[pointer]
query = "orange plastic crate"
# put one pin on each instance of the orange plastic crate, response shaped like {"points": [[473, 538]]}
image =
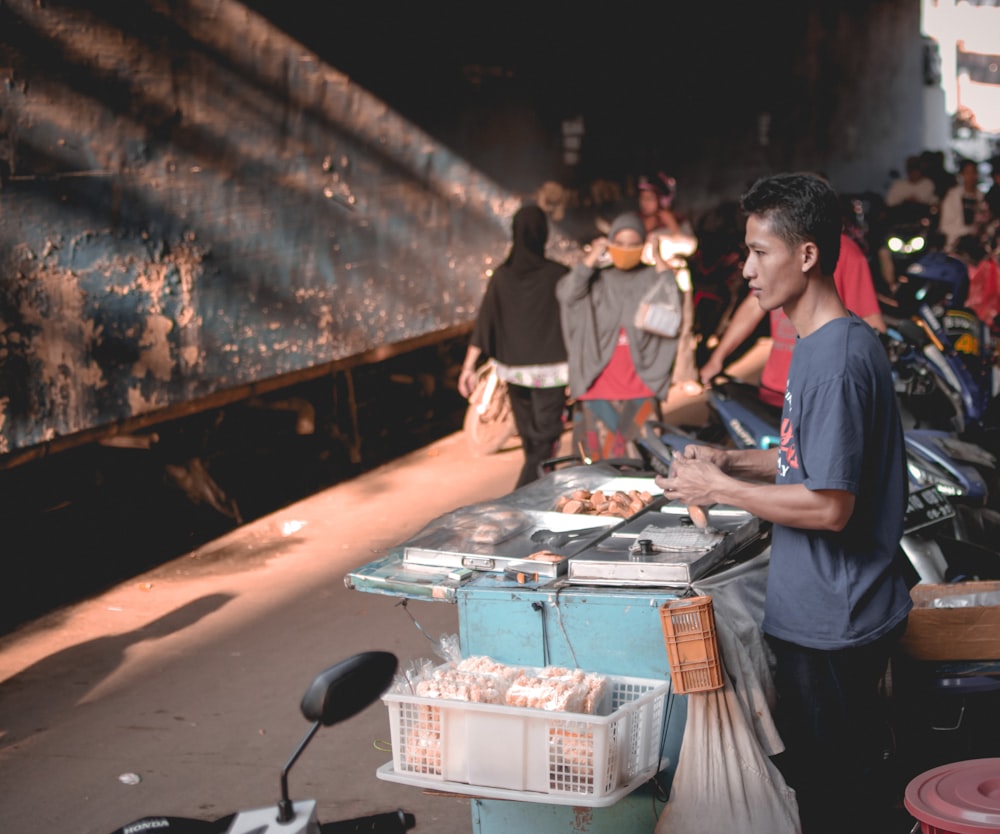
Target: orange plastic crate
{"points": [[692, 648]]}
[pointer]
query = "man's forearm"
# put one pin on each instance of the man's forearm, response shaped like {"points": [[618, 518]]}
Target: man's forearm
{"points": [[751, 464], [743, 323], [792, 505]]}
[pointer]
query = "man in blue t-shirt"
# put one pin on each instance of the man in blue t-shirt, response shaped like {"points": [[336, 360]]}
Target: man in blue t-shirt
{"points": [[835, 490]]}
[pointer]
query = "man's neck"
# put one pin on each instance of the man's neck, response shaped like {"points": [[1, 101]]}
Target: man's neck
{"points": [[818, 305]]}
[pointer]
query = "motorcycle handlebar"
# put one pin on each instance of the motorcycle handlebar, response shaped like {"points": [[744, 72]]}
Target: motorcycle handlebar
{"points": [[393, 822]]}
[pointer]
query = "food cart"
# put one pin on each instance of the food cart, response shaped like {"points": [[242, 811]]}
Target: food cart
{"points": [[594, 601]]}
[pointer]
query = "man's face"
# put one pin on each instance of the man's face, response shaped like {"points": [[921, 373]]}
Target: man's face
{"points": [[774, 271]]}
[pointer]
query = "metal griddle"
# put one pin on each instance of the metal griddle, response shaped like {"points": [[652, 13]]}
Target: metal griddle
{"points": [[529, 532], [500, 536], [616, 559]]}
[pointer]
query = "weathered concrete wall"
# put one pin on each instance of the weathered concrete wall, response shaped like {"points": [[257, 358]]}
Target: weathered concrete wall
{"points": [[191, 203]]}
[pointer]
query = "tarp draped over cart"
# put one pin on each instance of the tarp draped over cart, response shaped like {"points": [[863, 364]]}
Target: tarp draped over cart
{"points": [[724, 779]]}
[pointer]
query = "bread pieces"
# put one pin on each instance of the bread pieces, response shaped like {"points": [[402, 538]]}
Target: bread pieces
{"points": [[482, 680], [620, 504]]}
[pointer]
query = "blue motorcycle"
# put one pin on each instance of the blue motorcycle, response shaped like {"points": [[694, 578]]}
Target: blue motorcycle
{"points": [[943, 356]]}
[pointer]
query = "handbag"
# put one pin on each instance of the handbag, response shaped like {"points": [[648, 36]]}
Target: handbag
{"points": [[659, 311]]}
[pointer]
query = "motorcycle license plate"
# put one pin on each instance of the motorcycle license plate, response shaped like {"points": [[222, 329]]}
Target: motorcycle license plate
{"points": [[925, 507]]}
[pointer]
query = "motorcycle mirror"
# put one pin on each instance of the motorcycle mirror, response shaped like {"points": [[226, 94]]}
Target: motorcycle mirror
{"points": [[912, 332], [336, 694], [348, 687]]}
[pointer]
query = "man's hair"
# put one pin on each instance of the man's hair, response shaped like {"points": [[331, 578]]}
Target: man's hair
{"points": [[800, 208]]}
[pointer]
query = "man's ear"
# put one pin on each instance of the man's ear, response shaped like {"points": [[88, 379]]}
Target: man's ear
{"points": [[809, 253]]}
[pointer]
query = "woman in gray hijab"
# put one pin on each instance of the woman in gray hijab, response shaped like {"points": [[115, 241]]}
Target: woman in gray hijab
{"points": [[619, 371]]}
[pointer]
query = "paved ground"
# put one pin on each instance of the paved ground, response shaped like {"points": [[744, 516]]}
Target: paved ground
{"points": [[189, 676]]}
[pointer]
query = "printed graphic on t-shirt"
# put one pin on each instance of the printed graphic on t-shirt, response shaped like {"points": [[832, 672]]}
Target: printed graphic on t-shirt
{"points": [[788, 456]]}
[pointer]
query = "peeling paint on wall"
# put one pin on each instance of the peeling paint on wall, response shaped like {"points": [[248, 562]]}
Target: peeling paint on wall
{"points": [[192, 203]]}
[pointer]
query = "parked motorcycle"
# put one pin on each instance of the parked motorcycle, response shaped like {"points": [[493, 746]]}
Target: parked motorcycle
{"points": [[335, 695], [906, 232], [943, 356]]}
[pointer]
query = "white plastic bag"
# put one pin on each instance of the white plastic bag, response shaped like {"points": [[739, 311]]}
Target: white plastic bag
{"points": [[659, 311]]}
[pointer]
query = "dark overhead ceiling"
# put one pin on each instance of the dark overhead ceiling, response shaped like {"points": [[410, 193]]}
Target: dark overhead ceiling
{"points": [[566, 55]]}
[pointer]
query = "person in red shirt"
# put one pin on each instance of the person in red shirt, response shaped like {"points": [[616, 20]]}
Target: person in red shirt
{"points": [[619, 369], [984, 278], [853, 278]]}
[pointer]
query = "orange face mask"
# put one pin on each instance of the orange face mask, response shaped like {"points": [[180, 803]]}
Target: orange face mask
{"points": [[625, 257]]}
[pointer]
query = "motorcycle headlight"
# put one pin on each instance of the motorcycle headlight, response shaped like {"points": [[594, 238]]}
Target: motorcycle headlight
{"points": [[924, 472], [917, 244], [895, 244]]}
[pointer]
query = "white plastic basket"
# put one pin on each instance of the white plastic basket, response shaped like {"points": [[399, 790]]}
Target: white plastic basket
{"points": [[533, 755]]}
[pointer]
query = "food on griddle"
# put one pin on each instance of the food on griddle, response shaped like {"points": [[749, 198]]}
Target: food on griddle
{"points": [[545, 556], [620, 504], [699, 515]]}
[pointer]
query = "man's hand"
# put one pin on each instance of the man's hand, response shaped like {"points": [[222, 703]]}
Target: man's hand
{"points": [[695, 476], [709, 454], [711, 369], [467, 382]]}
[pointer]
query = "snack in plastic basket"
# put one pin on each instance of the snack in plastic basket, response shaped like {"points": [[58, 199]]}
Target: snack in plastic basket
{"points": [[489, 666], [565, 694], [533, 755], [574, 752], [464, 686], [479, 680], [482, 680], [422, 750]]}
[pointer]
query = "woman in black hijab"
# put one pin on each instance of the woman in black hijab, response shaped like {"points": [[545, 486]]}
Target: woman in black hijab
{"points": [[518, 326]]}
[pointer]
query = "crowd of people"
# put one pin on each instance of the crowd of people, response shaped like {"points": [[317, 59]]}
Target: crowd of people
{"points": [[577, 344], [657, 299], [959, 214], [568, 340]]}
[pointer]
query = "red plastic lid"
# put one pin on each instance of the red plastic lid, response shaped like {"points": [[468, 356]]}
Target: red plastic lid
{"points": [[961, 798]]}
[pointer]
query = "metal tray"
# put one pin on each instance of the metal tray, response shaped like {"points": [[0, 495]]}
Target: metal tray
{"points": [[612, 560], [528, 532]]}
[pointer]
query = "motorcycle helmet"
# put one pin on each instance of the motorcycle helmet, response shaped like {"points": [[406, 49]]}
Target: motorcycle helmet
{"points": [[936, 275]]}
